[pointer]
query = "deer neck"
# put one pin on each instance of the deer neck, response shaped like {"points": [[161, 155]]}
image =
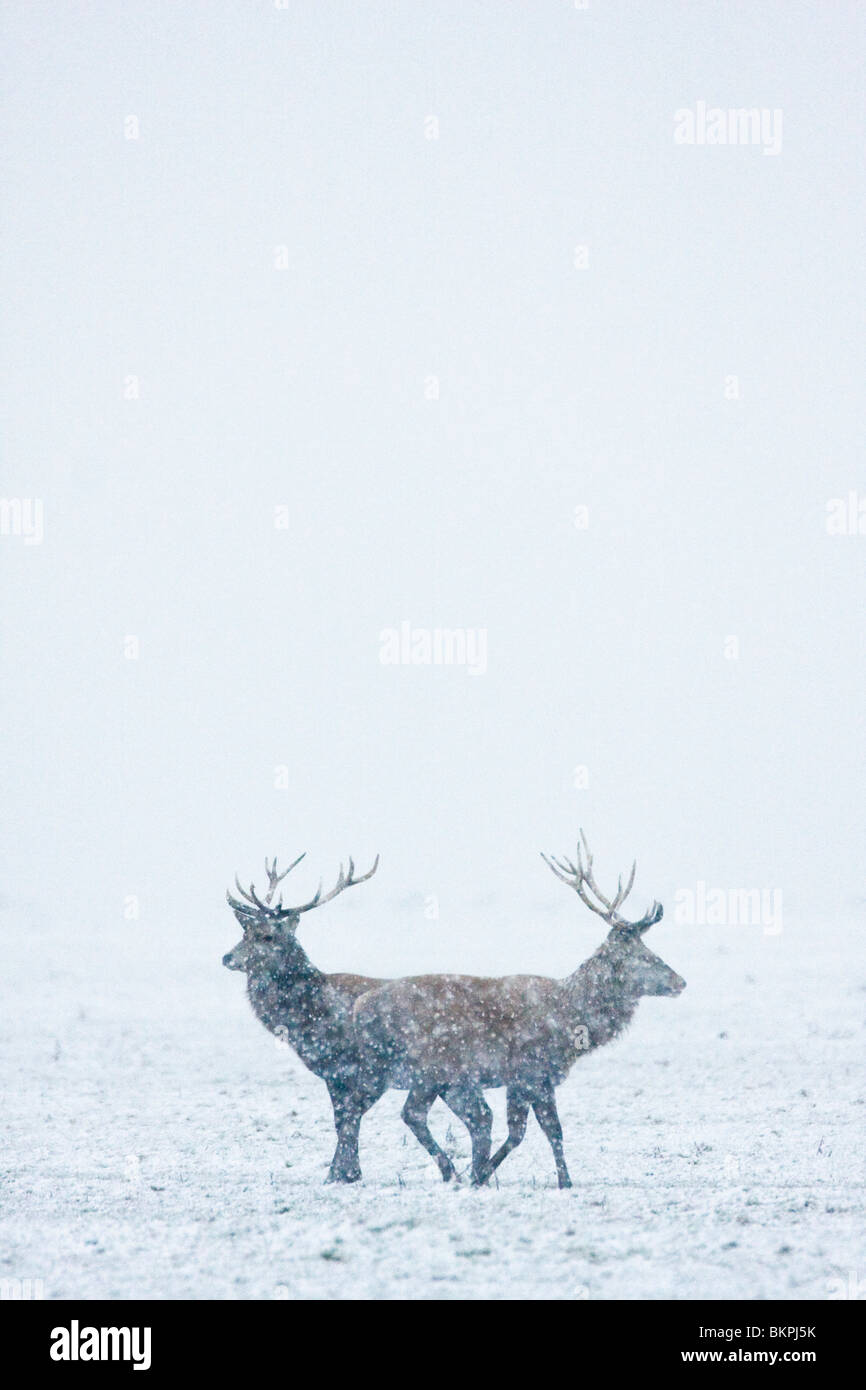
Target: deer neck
{"points": [[600, 998], [274, 988]]}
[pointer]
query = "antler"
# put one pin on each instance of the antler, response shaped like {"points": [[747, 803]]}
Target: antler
{"points": [[580, 877], [343, 881], [253, 906]]}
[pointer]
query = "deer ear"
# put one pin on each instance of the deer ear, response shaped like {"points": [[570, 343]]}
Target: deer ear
{"points": [[655, 914], [244, 915]]}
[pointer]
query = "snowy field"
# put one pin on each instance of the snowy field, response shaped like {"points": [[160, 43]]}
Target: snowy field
{"points": [[159, 1144]]}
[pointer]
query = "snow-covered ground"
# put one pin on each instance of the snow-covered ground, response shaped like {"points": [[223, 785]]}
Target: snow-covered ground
{"points": [[158, 1143]]}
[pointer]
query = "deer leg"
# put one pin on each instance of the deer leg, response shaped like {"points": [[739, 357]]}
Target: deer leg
{"points": [[518, 1112], [415, 1112], [345, 1165], [350, 1106], [547, 1116], [471, 1107]]}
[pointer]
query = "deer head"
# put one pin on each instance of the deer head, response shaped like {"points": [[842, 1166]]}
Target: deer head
{"points": [[269, 928], [636, 968]]}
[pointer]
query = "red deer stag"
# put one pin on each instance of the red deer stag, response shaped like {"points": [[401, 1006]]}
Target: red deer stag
{"points": [[313, 1012], [524, 1032]]}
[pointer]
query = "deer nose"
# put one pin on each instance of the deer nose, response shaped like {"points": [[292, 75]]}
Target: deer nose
{"points": [[228, 959]]}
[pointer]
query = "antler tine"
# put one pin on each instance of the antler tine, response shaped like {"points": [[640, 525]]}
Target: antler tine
{"points": [[352, 880], [244, 894], [584, 875], [574, 877], [256, 900], [589, 878], [622, 893], [274, 878], [369, 873], [557, 869], [271, 869], [338, 887], [630, 883], [586, 848], [238, 906], [250, 896], [343, 881], [568, 866]]}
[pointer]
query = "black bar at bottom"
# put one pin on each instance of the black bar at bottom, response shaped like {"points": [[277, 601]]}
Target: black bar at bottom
{"points": [[282, 1340]]}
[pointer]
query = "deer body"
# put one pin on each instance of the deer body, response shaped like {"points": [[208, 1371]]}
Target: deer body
{"points": [[523, 1032], [509, 1029]]}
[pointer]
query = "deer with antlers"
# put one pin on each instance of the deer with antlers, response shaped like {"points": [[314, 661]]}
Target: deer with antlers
{"points": [[524, 1032], [312, 1011]]}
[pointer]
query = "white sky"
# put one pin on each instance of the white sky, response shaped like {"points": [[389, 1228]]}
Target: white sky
{"points": [[410, 257]]}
